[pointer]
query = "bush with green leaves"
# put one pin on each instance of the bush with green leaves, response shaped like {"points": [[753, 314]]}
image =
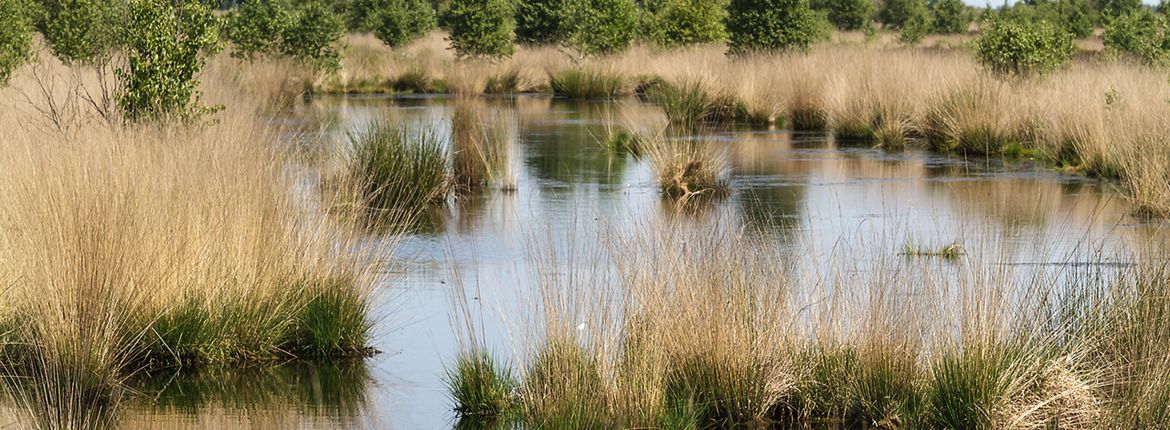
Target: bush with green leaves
{"points": [[1141, 34], [309, 33], [949, 16], [896, 13], [1116, 8], [847, 14], [543, 21], [1074, 16], [399, 22], [602, 27], [916, 28], [313, 36], [256, 27], [82, 31], [686, 22], [773, 25], [167, 44], [481, 28], [1017, 47], [15, 37]]}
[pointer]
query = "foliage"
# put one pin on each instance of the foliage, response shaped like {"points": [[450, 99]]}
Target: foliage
{"points": [[166, 46], [481, 28], [603, 26], [398, 22], [949, 16], [1116, 8], [82, 31], [313, 36], [916, 27], [1141, 34], [686, 22], [897, 13], [543, 21], [1014, 47], [309, 33], [15, 37], [1074, 16], [847, 14], [772, 25]]}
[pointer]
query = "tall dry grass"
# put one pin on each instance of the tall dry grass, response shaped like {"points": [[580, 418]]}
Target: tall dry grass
{"points": [[677, 326], [125, 248]]}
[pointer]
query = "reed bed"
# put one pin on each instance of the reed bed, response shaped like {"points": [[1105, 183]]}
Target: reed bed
{"points": [[676, 326], [1098, 117], [130, 248]]}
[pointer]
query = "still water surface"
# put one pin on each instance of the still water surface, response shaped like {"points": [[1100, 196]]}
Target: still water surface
{"points": [[811, 196]]}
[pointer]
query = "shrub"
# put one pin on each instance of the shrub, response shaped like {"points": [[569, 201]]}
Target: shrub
{"points": [[1116, 8], [1075, 16], [1141, 34], [686, 22], [1014, 47], [896, 13], [166, 46], [401, 21], [310, 33], [603, 26], [949, 16], [771, 25], [15, 37], [481, 28], [82, 31], [847, 14], [256, 26], [915, 28], [542, 21]]}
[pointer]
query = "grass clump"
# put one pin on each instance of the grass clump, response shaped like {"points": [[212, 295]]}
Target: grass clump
{"points": [[563, 388], [971, 119], [482, 151], [690, 105], [685, 168], [399, 169], [588, 84], [481, 387], [950, 251]]}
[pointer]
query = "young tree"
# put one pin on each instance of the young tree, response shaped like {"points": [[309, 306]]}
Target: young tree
{"points": [[313, 36], [602, 26], [399, 22], [896, 13], [543, 21], [1018, 47], [847, 14], [949, 16], [771, 25], [685, 22], [1116, 8], [257, 26], [82, 31], [481, 28], [15, 37], [1142, 34], [166, 46]]}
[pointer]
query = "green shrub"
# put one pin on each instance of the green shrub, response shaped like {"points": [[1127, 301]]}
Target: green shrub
{"points": [[1014, 47], [15, 37], [773, 25], [481, 28], [896, 13], [313, 36], [1115, 8], [256, 26], [603, 26], [543, 21], [1075, 16], [309, 33], [359, 14], [847, 14], [167, 45], [399, 22], [82, 31], [915, 28], [1141, 34], [949, 16], [686, 22]]}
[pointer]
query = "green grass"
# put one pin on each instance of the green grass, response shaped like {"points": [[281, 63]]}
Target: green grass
{"points": [[398, 169], [690, 105], [587, 84], [563, 388], [481, 387], [950, 251]]}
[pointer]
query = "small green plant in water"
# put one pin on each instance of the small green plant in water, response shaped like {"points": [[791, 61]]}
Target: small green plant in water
{"points": [[399, 169], [480, 386], [948, 252]]}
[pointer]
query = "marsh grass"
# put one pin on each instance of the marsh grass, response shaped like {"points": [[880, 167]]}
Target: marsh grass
{"points": [[483, 149], [399, 169], [950, 251], [685, 167], [588, 84], [480, 386], [690, 105]]}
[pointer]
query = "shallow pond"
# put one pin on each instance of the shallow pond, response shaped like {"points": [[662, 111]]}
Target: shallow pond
{"points": [[821, 201]]}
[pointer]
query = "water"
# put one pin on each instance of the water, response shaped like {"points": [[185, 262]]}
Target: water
{"points": [[823, 202]]}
